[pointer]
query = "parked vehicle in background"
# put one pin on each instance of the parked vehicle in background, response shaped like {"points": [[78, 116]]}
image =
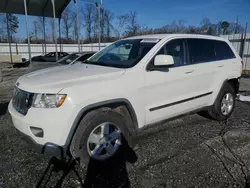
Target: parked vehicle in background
{"points": [[87, 109], [50, 57], [71, 58]]}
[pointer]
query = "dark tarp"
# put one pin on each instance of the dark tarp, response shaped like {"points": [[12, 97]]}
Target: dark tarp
{"points": [[35, 7]]}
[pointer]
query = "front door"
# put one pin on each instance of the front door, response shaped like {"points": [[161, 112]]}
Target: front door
{"points": [[172, 91]]}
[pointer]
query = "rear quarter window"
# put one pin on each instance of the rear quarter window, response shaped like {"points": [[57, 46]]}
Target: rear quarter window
{"points": [[223, 51]]}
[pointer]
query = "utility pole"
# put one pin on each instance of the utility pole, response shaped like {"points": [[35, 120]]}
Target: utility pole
{"points": [[99, 24]]}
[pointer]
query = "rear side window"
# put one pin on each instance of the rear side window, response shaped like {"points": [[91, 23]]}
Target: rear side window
{"points": [[205, 50], [201, 50], [223, 51]]}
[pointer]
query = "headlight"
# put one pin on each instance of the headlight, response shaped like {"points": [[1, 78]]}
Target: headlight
{"points": [[48, 100]]}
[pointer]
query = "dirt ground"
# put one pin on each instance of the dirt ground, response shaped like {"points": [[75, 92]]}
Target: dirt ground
{"points": [[188, 152]]}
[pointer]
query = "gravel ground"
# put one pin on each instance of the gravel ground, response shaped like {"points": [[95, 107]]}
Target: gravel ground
{"points": [[245, 84], [188, 152]]}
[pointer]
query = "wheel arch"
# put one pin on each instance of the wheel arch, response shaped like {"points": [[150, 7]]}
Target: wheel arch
{"points": [[113, 104], [233, 81]]}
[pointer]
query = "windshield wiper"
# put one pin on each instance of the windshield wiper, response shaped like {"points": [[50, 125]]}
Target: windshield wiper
{"points": [[87, 62], [96, 63], [104, 64], [93, 63]]}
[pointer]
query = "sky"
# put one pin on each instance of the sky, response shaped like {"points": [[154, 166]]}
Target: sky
{"points": [[156, 13]]}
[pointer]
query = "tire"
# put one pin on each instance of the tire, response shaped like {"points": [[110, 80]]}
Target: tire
{"points": [[79, 147], [215, 112]]}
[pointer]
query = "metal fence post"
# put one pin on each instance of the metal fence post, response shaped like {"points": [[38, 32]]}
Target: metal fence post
{"points": [[60, 37], [54, 27], [244, 42], [44, 35], [1, 77], [77, 25], [26, 20], [17, 49]]}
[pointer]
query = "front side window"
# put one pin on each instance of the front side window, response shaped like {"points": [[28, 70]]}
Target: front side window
{"points": [[175, 48], [123, 53]]}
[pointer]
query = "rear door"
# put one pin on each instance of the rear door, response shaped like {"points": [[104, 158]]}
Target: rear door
{"points": [[226, 60], [202, 55]]}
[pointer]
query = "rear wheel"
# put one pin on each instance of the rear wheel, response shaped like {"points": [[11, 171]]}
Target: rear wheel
{"points": [[98, 136], [223, 106]]}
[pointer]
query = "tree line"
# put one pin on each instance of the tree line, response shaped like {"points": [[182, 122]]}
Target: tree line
{"points": [[112, 27]]}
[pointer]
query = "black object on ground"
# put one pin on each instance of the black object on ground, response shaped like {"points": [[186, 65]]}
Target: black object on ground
{"points": [[105, 174], [3, 108]]}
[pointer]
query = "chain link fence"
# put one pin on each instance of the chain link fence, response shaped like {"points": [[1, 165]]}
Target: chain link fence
{"points": [[241, 43]]}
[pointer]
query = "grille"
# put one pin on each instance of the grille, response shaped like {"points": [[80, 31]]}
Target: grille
{"points": [[22, 100]]}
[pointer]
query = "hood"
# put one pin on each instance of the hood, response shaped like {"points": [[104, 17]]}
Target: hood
{"points": [[57, 78], [39, 66]]}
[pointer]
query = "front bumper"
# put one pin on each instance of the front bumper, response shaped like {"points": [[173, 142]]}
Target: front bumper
{"points": [[49, 149], [54, 123]]}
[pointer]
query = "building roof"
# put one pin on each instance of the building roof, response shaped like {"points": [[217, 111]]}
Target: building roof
{"points": [[34, 7]]}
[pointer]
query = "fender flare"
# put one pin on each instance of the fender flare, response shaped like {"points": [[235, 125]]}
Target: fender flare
{"points": [[224, 83], [132, 128]]}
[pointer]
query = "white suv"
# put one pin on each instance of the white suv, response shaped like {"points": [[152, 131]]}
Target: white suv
{"points": [[88, 110]]}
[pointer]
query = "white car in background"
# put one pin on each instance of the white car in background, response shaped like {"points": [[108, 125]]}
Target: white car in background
{"points": [[85, 110]]}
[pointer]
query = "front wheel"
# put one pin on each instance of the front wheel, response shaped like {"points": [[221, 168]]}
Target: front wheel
{"points": [[98, 136]]}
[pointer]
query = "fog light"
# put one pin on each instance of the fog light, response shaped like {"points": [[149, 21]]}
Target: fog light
{"points": [[38, 132]]}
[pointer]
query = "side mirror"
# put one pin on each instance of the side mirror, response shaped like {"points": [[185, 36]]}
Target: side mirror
{"points": [[163, 60]]}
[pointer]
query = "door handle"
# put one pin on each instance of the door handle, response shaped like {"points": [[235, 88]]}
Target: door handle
{"points": [[189, 71], [219, 66]]}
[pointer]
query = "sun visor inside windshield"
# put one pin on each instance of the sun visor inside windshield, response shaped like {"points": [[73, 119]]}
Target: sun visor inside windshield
{"points": [[150, 40]]}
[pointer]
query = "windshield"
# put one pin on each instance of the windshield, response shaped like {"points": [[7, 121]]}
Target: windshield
{"points": [[49, 54], [68, 59], [123, 53]]}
